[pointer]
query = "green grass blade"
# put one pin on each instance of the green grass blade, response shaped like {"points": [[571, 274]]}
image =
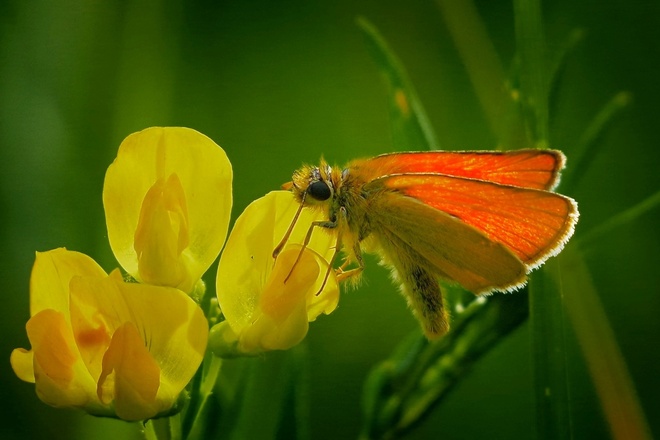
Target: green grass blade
{"points": [[587, 146], [530, 43], [262, 398], [158, 429], [553, 416], [547, 321], [200, 418], [621, 219], [411, 129], [604, 359], [485, 69], [301, 376], [558, 67]]}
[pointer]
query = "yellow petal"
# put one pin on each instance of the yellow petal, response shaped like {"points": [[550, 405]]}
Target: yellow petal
{"points": [[51, 274], [130, 377], [60, 375], [246, 272], [326, 302], [168, 321], [162, 234], [94, 318], [22, 363], [279, 298], [266, 334], [204, 173], [54, 362], [49, 330], [281, 320]]}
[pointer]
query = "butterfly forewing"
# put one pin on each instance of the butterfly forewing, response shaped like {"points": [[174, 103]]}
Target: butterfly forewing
{"points": [[525, 168]]}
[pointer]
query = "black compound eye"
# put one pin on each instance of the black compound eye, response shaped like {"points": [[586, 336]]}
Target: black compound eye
{"points": [[319, 190]]}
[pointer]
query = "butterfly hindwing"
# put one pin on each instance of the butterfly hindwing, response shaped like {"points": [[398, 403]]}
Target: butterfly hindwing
{"points": [[533, 224], [444, 245]]}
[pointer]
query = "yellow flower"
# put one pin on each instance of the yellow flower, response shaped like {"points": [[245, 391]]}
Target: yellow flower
{"points": [[262, 311], [109, 347], [167, 199]]}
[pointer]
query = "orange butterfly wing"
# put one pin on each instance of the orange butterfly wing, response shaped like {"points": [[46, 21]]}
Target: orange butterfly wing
{"points": [[532, 223], [410, 231], [525, 168]]}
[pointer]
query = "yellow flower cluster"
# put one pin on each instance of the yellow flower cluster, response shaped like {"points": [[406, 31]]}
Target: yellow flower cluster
{"points": [[128, 349]]}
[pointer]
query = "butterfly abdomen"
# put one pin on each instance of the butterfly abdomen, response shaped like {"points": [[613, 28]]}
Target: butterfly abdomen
{"points": [[418, 281]]}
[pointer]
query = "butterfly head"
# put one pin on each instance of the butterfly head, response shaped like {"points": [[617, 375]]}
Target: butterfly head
{"points": [[313, 185]]}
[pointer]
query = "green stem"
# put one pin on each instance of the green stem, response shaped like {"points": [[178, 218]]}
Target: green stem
{"points": [[530, 42], [553, 416], [159, 429], [403, 389], [548, 354], [198, 422]]}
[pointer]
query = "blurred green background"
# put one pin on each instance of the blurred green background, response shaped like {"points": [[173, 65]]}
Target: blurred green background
{"points": [[281, 83]]}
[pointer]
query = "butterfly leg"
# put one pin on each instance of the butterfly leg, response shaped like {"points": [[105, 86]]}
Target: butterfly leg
{"points": [[343, 274], [308, 237], [331, 262]]}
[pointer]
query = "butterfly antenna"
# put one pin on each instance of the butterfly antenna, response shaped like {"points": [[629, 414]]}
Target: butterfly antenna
{"points": [[302, 249], [280, 246]]}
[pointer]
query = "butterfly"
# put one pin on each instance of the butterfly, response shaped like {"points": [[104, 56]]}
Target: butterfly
{"points": [[479, 219]]}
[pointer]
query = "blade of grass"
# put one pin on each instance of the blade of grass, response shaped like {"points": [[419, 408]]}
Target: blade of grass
{"points": [[263, 397], [485, 69], [301, 391], [149, 431], [605, 361], [199, 417], [530, 44], [588, 144], [553, 416], [159, 429], [606, 364], [411, 129], [558, 67], [620, 219]]}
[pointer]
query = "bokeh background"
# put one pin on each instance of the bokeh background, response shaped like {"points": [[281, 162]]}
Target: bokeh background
{"points": [[281, 83]]}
